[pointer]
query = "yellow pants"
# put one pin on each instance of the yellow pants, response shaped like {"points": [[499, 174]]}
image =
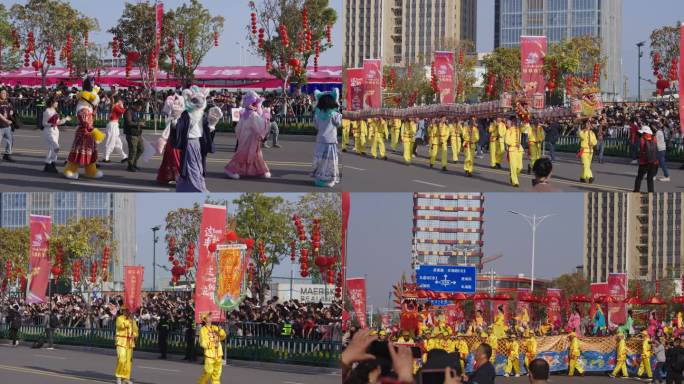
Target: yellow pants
{"points": [[394, 139], [493, 358], [469, 157], [586, 165], [90, 169], [515, 163], [535, 153], [512, 364], [124, 358], [212, 369], [440, 149], [345, 139], [645, 366], [379, 144], [359, 144], [455, 148], [408, 153], [620, 366], [494, 153], [528, 359], [572, 367]]}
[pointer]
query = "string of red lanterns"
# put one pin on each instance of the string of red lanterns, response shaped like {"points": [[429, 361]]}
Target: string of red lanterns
{"points": [[105, 263]]}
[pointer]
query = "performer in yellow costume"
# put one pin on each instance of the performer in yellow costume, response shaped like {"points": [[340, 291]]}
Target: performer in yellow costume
{"points": [[499, 326], [360, 130], [346, 127], [587, 143], [455, 128], [479, 321], [462, 348], [513, 361], [126, 333], [574, 353], [438, 137], [211, 337], [497, 149], [493, 342], [515, 152], [535, 139], [377, 133], [470, 135], [395, 132], [405, 339], [621, 356], [408, 133], [645, 356], [530, 348]]}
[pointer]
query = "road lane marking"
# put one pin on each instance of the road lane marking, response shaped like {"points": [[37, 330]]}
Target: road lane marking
{"points": [[428, 183], [120, 186], [160, 369], [292, 382], [51, 357], [51, 374], [354, 168]]}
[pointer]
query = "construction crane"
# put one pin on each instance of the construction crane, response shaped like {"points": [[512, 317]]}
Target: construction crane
{"points": [[488, 259]]}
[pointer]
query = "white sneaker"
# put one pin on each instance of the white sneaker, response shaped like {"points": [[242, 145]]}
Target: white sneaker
{"points": [[633, 161], [49, 348], [233, 176], [517, 375], [118, 380], [505, 374], [267, 175], [664, 179]]}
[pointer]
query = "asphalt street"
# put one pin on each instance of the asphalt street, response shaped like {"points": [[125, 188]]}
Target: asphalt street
{"points": [[60, 366], [291, 166]]}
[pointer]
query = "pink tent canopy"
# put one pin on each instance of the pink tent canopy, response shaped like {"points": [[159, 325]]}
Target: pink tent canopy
{"points": [[220, 77]]}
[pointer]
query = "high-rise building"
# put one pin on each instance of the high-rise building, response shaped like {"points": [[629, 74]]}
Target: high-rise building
{"points": [[447, 228], [563, 19], [404, 31], [640, 234], [16, 207]]}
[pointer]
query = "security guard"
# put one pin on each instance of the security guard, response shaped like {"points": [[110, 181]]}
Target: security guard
{"points": [[211, 337], [287, 330], [126, 333]]}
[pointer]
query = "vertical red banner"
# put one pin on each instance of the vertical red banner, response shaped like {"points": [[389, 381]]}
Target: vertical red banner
{"points": [[680, 77], [617, 287], [133, 279], [444, 66], [40, 229], [357, 294], [346, 206], [553, 306], [523, 305], [372, 83], [355, 77], [212, 230], [532, 53], [597, 290]]}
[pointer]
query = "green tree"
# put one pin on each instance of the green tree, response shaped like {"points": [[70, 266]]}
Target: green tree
{"points": [[50, 21], [9, 56], [411, 87], [572, 284], [264, 219], [14, 243], [197, 26], [328, 208], [271, 14], [504, 64], [665, 42], [574, 57]]}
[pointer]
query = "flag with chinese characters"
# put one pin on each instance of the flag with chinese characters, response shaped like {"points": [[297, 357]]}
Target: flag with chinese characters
{"points": [[680, 77], [553, 304], [532, 54], [231, 275], [372, 83], [444, 68], [617, 288], [133, 279], [40, 229], [355, 89], [211, 231], [356, 287]]}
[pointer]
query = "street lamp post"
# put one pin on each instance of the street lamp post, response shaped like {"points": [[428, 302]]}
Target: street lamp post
{"points": [[533, 222], [154, 256], [641, 54]]}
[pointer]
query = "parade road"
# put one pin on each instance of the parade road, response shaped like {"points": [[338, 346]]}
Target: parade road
{"points": [[60, 366], [291, 165]]}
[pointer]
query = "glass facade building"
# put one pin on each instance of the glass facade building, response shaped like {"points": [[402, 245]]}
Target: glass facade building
{"points": [[447, 228], [16, 207], [562, 19]]}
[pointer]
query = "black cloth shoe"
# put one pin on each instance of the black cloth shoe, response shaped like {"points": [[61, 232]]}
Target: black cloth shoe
{"points": [[8, 158], [131, 169]]}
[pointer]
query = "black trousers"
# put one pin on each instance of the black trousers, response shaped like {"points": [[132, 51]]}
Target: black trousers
{"points": [[135, 149], [648, 170], [162, 345], [673, 378], [13, 332], [50, 333], [190, 349]]}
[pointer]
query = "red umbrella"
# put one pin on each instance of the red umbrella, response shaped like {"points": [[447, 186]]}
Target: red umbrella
{"points": [[528, 298], [654, 300], [481, 296], [502, 297], [458, 296], [579, 299], [633, 300], [678, 299], [607, 299]]}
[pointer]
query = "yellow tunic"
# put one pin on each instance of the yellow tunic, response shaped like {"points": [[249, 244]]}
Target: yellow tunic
{"points": [[210, 340], [408, 133], [126, 333], [455, 139], [515, 153], [470, 136], [587, 143]]}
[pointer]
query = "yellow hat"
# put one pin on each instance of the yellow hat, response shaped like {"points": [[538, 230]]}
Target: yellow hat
{"points": [[383, 333]]}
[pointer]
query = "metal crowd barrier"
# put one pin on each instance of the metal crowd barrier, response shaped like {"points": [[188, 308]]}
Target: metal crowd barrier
{"points": [[256, 348], [616, 147]]}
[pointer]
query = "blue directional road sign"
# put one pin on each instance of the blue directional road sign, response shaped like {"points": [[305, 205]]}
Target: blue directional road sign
{"points": [[446, 278]]}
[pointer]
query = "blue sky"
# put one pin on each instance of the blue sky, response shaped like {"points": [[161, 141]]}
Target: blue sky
{"points": [[380, 236], [152, 209]]}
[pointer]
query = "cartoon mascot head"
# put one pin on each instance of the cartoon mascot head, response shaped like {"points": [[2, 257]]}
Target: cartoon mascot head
{"points": [[88, 97]]}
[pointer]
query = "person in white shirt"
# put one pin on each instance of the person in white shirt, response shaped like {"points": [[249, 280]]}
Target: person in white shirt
{"points": [[50, 125], [662, 150]]}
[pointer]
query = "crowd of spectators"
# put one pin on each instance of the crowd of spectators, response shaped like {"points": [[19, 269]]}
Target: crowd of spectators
{"points": [[290, 318]]}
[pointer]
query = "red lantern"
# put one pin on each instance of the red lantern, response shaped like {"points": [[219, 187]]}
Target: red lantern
{"points": [[328, 33], [85, 39], [212, 247], [216, 39], [461, 57], [232, 236]]}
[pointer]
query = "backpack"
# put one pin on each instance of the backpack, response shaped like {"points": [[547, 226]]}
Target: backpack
{"points": [[650, 151]]}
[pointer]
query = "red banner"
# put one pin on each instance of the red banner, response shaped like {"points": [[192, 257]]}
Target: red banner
{"points": [[357, 294], [355, 89], [40, 229], [524, 305], [454, 314], [532, 53], [617, 287], [211, 231], [553, 306], [159, 20], [372, 83], [346, 205], [133, 279], [597, 290], [444, 67], [680, 77]]}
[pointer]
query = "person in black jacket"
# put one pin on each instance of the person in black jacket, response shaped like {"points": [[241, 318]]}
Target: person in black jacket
{"points": [[50, 325], [133, 127], [14, 320], [163, 334], [190, 353], [485, 372], [674, 359], [552, 133]]}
